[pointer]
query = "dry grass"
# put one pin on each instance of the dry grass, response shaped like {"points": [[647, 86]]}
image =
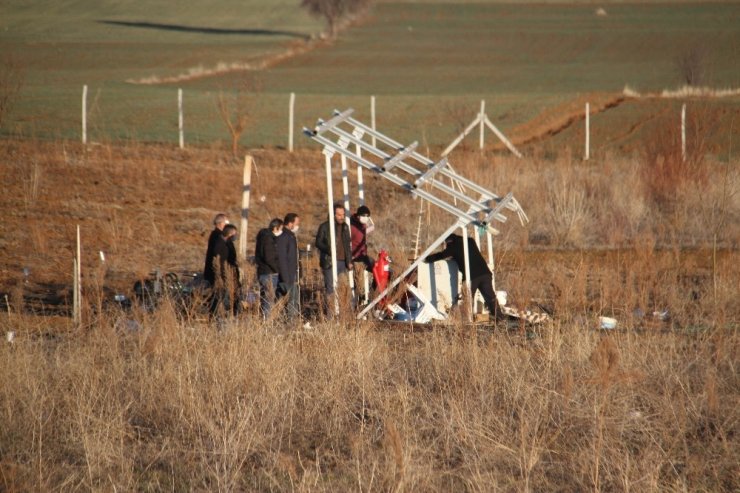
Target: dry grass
{"points": [[181, 405]]}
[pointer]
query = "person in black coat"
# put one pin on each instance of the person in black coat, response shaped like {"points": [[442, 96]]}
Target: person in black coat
{"points": [[219, 222], [343, 248], [268, 266], [287, 252], [480, 275], [227, 284]]}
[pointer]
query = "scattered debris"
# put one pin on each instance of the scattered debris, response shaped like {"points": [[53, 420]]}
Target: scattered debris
{"points": [[661, 315]]}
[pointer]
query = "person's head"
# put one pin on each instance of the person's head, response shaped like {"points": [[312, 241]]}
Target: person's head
{"points": [[276, 227], [450, 238], [229, 232], [363, 214], [339, 213], [291, 222], [220, 221]]}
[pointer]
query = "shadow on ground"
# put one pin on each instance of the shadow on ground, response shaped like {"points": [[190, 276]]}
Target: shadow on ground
{"points": [[205, 30]]}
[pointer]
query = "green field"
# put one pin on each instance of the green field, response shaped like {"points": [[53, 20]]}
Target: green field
{"points": [[429, 64]]}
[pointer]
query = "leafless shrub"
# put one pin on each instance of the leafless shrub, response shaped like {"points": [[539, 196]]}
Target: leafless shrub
{"points": [[334, 11], [691, 65], [666, 170], [460, 114], [11, 82], [236, 108]]}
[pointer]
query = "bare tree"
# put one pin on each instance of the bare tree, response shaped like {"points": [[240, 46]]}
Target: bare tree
{"points": [[236, 110], [11, 81], [691, 65], [333, 11]]}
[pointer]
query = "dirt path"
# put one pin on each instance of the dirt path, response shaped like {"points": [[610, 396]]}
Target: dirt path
{"points": [[554, 120]]}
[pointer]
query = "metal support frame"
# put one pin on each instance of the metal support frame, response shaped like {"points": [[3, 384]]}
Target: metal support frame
{"points": [[345, 189], [401, 277], [329, 153], [482, 121], [408, 169], [431, 172], [466, 256], [402, 154], [358, 133]]}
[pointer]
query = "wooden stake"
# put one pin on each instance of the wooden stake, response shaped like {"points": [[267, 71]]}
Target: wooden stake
{"points": [[84, 114], [78, 280], [361, 200], [683, 132], [587, 152], [466, 267], [503, 138], [332, 230], [246, 188], [180, 119], [491, 260], [345, 189], [290, 121], [75, 313], [372, 117], [481, 117]]}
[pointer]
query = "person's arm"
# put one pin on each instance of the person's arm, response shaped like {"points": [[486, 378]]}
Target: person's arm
{"points": [[355, 240], [322, 239], [272, 259], [258, 248], [446, 253], [220, 257], [347, 242], [292, 258], [282, 247]]}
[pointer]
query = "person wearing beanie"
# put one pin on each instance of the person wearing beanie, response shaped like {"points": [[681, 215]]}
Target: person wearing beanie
{"points": [[361, 225]]}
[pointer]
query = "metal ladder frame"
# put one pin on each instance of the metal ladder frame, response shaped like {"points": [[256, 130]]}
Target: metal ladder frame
{"points": [[390, 164]]}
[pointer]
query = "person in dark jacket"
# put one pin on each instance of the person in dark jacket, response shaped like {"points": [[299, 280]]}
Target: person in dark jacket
{"points": [[287, 252], [268, 267], [480, 275], [226, 287], [219, 222], [361, 225], [342, 244]]}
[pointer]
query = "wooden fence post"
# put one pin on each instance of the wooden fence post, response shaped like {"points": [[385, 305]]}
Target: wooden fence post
{"points": [[372, 117], [482, 118], [246, 188], [84, 114], [683, 132], [587, 153], [180, 119]]}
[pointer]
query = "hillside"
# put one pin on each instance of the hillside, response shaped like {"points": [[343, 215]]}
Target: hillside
{"points": [[428, 64]]}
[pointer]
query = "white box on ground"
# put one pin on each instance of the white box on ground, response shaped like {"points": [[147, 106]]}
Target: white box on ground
{"points": [[440, 282]]}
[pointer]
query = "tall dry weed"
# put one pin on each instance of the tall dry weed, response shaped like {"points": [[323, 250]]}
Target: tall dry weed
{"points": [[667, 170]]}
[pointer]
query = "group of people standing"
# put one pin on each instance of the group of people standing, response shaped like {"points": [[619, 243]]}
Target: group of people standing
{"points": [[276, 259]]}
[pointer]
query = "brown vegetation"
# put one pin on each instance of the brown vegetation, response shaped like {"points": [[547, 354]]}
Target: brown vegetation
{"points": [[236, 109], [334, 11], [178, 404]]}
